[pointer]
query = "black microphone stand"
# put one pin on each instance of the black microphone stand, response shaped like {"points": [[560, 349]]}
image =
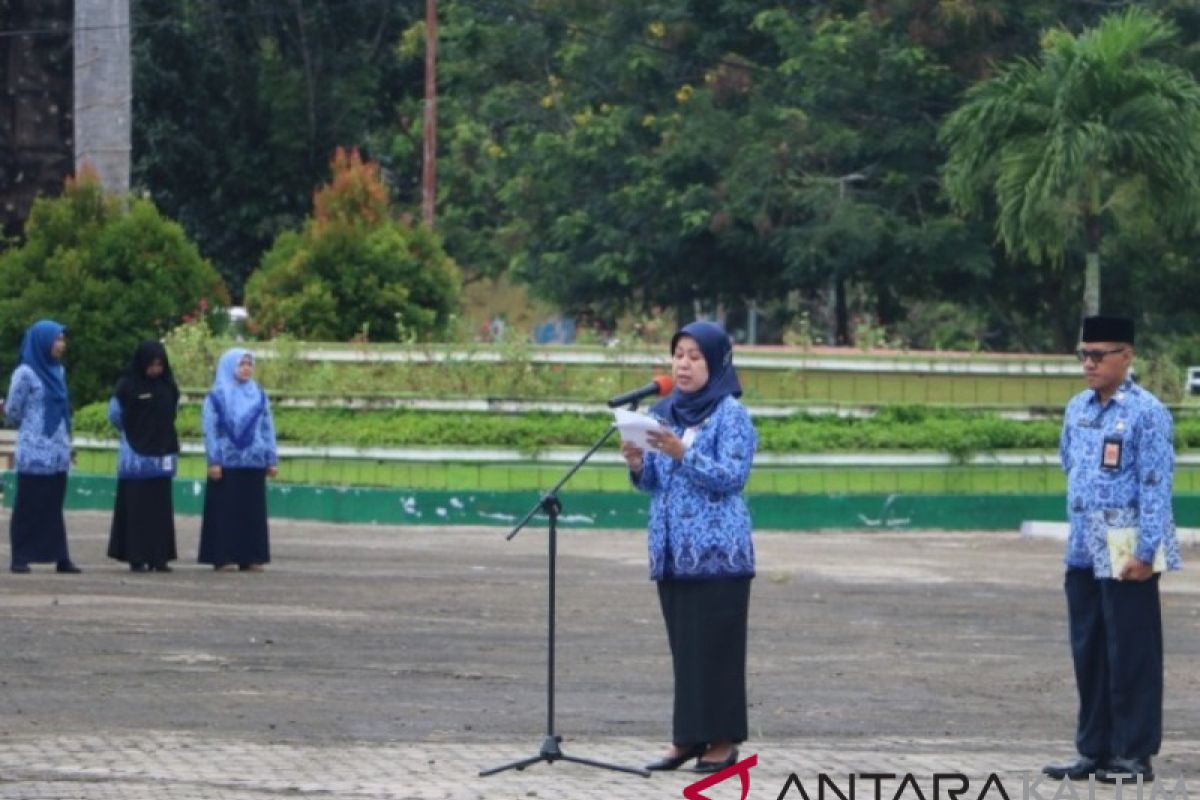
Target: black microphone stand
{"points": [[550, 505]]}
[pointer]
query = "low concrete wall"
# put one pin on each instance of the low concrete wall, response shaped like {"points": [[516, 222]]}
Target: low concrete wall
{"points": [[616, 509]]}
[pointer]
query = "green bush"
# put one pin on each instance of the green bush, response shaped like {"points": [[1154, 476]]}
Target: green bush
{"points": [[194, 351], [942, 326], [114, 271], [960, 433], [897, 429], [1163, 376], [353, 272]]}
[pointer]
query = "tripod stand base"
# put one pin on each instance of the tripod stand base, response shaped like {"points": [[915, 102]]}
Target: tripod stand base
{"points": [[551, 752]]}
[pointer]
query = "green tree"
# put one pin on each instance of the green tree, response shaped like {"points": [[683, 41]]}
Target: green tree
{"points": [[353, 270], [621, 156], [840, 174], [1093, 135], [675, 154], [237, 107], [115, 273]]}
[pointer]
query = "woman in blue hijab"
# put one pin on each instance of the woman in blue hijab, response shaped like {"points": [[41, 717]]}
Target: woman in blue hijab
{"points": [[701, 552], [37, 404], [143, 408], [239, 440]]}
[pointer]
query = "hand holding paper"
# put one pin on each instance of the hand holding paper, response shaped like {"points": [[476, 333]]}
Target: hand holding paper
{"points": [[1121, 544], [635, 427]]}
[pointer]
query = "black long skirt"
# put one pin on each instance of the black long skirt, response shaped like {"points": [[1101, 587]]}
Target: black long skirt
{"points": [[37, 530], [143, 525], [234, 528], [706, 629]]}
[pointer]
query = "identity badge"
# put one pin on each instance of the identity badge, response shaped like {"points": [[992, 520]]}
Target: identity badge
{"points": [[1110, 457]]}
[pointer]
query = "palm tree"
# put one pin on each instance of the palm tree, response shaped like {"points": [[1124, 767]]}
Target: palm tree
{"points": [[1094, 134]]}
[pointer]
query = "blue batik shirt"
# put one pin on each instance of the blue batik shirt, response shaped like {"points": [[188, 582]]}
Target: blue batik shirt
{"points": [[257, 452], [1137, 494], [699, 524], [37, 453], [132, 465]]}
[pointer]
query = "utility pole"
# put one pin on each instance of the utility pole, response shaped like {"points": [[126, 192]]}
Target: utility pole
{"points": [[839, 324], [429, 149], [103, 91]]}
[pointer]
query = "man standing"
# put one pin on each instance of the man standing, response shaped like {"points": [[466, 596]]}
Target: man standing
{"points": [[1119, 458]]}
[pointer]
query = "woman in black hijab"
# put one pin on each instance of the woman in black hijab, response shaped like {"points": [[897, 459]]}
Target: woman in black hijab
{"points": [[143, 409]]}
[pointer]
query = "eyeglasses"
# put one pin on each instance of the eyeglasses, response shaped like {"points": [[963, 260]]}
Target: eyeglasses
{"points": [[1096, 355]]}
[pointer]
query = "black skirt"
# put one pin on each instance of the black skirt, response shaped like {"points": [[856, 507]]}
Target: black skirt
{"points": [[37, 529], [234, 528], [706, 629], [143, 525]]}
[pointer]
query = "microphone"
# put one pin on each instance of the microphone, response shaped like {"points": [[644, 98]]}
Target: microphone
{"points": [[661, 385]]}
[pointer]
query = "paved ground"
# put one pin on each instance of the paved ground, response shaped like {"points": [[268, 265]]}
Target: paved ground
{"points": [[375, 662]]}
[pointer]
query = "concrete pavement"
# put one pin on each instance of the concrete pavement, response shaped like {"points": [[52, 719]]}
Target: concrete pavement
{"points": [[375, 662]]}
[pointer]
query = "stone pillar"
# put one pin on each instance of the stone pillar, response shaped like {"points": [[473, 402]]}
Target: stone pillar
{"points": [[103, 90]]}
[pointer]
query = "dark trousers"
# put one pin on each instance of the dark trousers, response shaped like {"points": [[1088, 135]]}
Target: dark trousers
{"points": [[1117, 645], [706, 628]]}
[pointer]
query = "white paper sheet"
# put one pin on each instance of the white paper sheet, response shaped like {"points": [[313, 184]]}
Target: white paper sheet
{"points": [[634, 427], [1121, 544]]}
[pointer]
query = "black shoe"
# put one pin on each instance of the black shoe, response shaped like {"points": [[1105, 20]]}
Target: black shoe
{"points": [[1077, 771], [1128, 769], [668, 763], [162, 568], [138, 568], [20, 569], [68, 568], [716, 766]]}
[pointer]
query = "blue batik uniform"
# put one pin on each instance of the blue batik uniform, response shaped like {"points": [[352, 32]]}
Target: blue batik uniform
{"points": [[143, 409], [251, 448], [239, 437], [38, 404], [1137, 494], [239, 432], [700, 545], [131, 464], [39, 451], [699, 524], [1119, 461]]}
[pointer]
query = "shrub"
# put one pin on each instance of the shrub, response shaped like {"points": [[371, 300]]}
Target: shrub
{"points": [[193, 352], [1163, 376], [113, 270], [942, 326], [354, 271], [960, 433]]}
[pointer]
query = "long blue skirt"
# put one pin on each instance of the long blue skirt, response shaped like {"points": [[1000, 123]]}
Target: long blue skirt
{"points": [[37, 530], [234, 528]]}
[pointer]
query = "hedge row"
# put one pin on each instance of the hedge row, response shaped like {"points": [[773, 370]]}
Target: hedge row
{"points": [[952, 431]]}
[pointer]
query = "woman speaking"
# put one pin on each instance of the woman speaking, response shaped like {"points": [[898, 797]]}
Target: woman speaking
{"points": [[701, 552]]}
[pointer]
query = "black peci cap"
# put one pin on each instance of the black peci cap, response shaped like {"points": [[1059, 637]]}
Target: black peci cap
{"points": [[1107, 329]]}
